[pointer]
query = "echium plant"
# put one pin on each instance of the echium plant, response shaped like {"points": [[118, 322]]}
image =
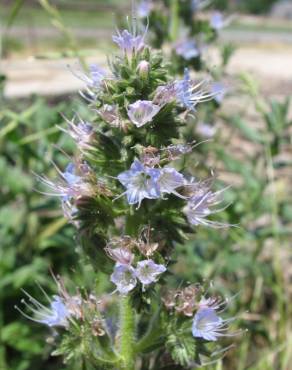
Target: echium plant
{"points": [[131, 200]]}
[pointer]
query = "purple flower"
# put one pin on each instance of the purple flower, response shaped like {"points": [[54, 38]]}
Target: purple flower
{"points": [[70, 186], [148, 271], [144, 8], [56, 315], [206, 130], [142, 111], [93, 78], [219, 90], [189, 93], [200, 206], [124, 278], [141, 182], [82, 132], [165, 94], [208, 325], [217, 21], [129, 43], [187, 49], [169, 180]]}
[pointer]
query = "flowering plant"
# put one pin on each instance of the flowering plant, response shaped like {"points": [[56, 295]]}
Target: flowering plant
{"points": [[132, 201]]}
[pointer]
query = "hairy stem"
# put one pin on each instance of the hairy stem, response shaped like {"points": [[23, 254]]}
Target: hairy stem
{"points": [[127, 322]]}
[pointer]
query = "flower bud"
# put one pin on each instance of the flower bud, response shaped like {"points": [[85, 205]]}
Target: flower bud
{"points": [[143, 69]]}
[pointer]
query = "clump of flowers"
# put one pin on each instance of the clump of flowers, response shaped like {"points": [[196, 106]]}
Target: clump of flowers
{"points": [[132, 201]]}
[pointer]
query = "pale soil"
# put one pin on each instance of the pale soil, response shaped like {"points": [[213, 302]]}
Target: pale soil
{"points": [[271, 65]]}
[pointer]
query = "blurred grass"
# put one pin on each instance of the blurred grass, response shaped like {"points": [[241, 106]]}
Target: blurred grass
{"points": [[35, 16]]}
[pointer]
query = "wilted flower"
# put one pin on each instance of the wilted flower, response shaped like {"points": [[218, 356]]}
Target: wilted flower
{"points": [[110, 114], [169, 299], [187, 49], [174, 151], [141, 182], [124, 278], [147, 249], [215, 303], [124, 241], [142, 111], [182, 300], [150, 156], [148, 271], [97, 327], [189, 93], [129, 43], [186, 300], [200, 206], [209, 326], [121, 255]]}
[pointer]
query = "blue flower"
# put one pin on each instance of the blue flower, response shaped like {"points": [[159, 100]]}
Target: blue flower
{"points": [[82, 132], [129, 43], [146, 182], [189, 93], [56, 315], [141, 182], [187, 49], [206, 130], [201, 205], [217, 21], [148, 271], [70, 187], [93, 77], [169, 180], [124, 278], [144, 8], [219, 90], [97, 75], [142, 111], [208, 325]]}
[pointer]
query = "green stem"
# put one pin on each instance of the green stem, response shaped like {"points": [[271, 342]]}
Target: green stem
{"points": [[127, 322], [174, 22], [152, 335]]}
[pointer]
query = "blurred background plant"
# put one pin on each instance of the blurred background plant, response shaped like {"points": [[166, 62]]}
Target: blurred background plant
{"points": [[250, 146]]}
